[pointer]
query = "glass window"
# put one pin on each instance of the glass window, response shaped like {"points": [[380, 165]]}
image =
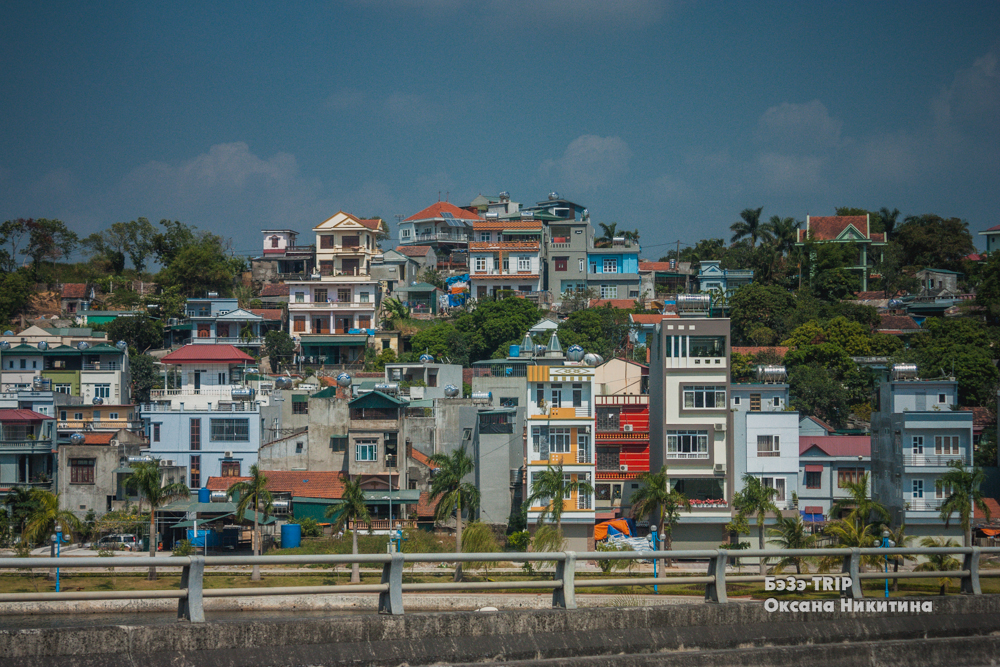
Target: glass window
{"points": [[609, 291], [581, 265], [687, 444], [707, 346], [102, 390], [480, 263], [814, 480], [523, 263], [610, 265], [559, 440], [711, 397], [945, 445], [918, 488], [230, 468], [776, 483], [196, 472], [556, 396], [195, 434], [156, 432], [81, 471], [366, 450], [320, 296], [485, 237], [849, 475], [301, 408], [767, 445], [230, 430], [918, 444], [338, 443]]}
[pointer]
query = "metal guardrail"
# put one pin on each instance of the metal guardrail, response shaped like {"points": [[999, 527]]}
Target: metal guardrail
{"points": [[191, 593]]}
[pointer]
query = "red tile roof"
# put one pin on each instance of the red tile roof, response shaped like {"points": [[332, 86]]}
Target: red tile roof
{"points": [[435, 210], [655, 318], [98, 438], [753, 351], [875, 296], [300, 484], [993, 506], [274, 290], [413, 250], [975, 257], [838, 445], [420, 457], [614, 303], [74, 290], [981, 416], [828, 228], [994, 228], [654, 266], [14, 416], [899, 323], [268, 313], [426, 508], [826, 427], [207, 354], [374, 224]]}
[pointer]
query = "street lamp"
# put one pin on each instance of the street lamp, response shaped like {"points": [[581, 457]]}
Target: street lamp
{"points": [[655, 540], [886, 543], [56, 538]]}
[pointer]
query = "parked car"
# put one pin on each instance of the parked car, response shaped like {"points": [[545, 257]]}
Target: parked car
{"points": [[120, 542]]}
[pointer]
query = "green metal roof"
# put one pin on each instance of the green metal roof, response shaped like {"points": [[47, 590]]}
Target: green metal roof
{"points": [[329, 392], [375, 399], [345, 339], [419, 287]]}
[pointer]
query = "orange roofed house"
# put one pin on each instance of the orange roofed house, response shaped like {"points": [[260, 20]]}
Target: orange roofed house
{"points": [[444, 227], [843, 229]]}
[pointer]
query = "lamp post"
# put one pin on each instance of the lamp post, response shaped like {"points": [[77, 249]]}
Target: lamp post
{"points": [[654, 539], [56, 542], [886, 543]]}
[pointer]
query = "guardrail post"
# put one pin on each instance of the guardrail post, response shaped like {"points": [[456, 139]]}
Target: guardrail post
{"points": [[715, 591], [391, 601], [564, 597], [970, 584], [191, 608], [852, 566]]}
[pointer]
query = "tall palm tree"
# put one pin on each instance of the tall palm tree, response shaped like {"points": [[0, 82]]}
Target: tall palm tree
{"points": [[554, 486], [756, 500], [655, 494], [632, 236], [889, 219], [253, 494], [21, 503], [749, 227], [859, 504], [147, 480], [47, 517], [902, 540], [790, 533], [454, 493], [608, 233], [939, 562], [965, 493], [784, 232], [351, 507], [850, 535]]}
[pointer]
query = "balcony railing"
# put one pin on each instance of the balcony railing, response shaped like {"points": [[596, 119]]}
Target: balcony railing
{"points": [[228, 340], [331, 305], [27, 446], [440, 236], [103, 366], [941, 460], [100, 425], [226, 392], [924, 504], [381, 524], [223, 406]]}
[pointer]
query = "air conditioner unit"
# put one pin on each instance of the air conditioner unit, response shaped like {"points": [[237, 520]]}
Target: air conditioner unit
{"points": [[720, 467], [228, 455], [114, 443], [623, 468], [721, 426], [627, 428], [169, 463]]}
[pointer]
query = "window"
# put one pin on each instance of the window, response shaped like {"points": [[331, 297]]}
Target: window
{"points": [[942, 398], [320, 296], [776, 402], [113, 416], [195, 434], [609, 291], [338, 443], [102, 390], [687, 444], [560, 263], [404, 233], [736, 401], [78, 416], [776, 483], [63, 388], [485, 237], [918, 444], [62, 415], [707, 346], [942, 491], [540, 396], [299, 323], [300, 408], [326, 241], [24, 363], [480, 263], [848, 475], [156, 432], [466, 434], [524, 263], [610, 265], [608, 419], [917, 490], [274, 241], [754, 402], [300, 297], [946, 445], [557, 395], [814, 480], [577, 396], [344, 295], [350, 242], [363, 297], [767, 445], [81, 471], [196, 472], [298, 447], [366, 450], [582, 447], [559, 440], [508, 401], [230, 430], [581, 265], [710, 398], [230, 468]]}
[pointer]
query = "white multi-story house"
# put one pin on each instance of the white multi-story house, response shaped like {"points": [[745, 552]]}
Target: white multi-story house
{"points": [[210, 421], [560, 417], [690, 425], [345, 244], [86, 369], [504, 255], [444, 227], [332, 317]]}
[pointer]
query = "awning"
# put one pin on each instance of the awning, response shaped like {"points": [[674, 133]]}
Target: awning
{"points": [[990, 532], [814, 509], [190, 524], [300, 398], [522, 232], [348, 339], [181, 327], [814, 468]]}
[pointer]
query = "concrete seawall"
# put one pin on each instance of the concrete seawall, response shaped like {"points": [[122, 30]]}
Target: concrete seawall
{"points": [[957, 632]]}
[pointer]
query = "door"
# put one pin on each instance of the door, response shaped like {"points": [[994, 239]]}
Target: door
{"points": [[197, 381]]}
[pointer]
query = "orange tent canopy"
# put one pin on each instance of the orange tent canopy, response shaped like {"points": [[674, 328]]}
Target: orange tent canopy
{"points": [[601, 529]]}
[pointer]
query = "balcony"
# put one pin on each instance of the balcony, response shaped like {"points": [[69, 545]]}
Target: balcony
{"points": [[103, 366], [381, 524], [938, 460], [924, 504], [438, 236], [222, 406], [230, 340], [26, 446], [331, 305], [105, 425]]}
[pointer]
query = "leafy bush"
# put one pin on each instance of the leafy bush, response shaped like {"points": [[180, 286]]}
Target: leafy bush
{"points": [[184, 548], [609, 565], [478, 538], [310, 527]]}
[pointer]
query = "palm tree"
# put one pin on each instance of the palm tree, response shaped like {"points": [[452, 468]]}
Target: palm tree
{"points": [[48, 516], [632, 237], [861, 507], [756, 499], [608, 233], [939, 562], [655, 494], [790, 533], [964, 485], [749, 227], [889, 219], [902, 540], [253, 494], [394, 310], [784, 232], [147, 480], [551, 485], [21, 503], [455, 494], [351, 507], [850, 535]]}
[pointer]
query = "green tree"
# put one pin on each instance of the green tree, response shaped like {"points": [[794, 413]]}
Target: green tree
{"points": [[939, 562], [749, 227], [790, 533], [47, 517], [442, 339], [48, 240], [859, 507], [754, 305], [174, 237], [756, 500], [496, 324], [15, 292], [784, 233], [656, 495], [963, 487], [608, 234], [850, 535], [902, 541], [431, 277], [816, 392], [278, 347], [253, 495], [604, 331], [141, 243], [109, 245], [959, 347], [930, 240], [141, 332], [452, 493], [200, 267], [20, 504], [553, 486], [887, 220], [147, 480], [13, 236], [351, 508], [142, 369], [480, 539]]}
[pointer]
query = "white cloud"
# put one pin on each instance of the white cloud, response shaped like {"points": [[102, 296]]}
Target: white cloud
{"points": [[799, 128], [590, 162], [787, 173]]}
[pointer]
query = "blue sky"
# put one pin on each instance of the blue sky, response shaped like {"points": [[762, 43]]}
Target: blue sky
{"points": [[669, 117]]}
